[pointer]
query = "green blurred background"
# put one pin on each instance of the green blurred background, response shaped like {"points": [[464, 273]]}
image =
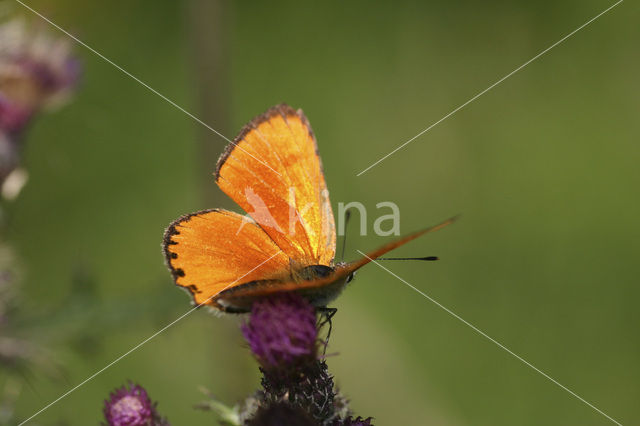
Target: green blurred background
{"points": [[543, 169]]}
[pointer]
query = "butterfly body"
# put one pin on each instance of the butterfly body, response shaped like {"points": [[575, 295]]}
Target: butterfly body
{"points": [[286, 242], [239, 299]]}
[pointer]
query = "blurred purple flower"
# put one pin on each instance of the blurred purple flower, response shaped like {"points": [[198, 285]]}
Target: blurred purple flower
{"points": [[130, 405], [281, 331], [37, 71]]}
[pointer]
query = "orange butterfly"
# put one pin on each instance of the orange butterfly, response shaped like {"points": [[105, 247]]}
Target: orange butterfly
{"points": [[287, 243]]}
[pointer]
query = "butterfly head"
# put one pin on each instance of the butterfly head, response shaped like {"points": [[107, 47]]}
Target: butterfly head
{"points": [[315, 272]]}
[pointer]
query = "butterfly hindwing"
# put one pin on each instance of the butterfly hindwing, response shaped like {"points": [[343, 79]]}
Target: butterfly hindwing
{"points": [[272, 170], [213, 250]]}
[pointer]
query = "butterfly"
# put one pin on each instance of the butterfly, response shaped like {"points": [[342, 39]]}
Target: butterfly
{"points": [[286, 243]]}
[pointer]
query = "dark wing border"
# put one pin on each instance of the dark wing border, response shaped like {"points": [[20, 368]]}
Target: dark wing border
{"points": [[167, 242], [283, 110]]}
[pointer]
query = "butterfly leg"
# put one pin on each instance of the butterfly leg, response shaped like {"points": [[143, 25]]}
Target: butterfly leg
{"points": [[327, 314]]}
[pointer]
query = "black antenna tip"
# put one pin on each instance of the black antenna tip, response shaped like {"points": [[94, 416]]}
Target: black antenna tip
{"points": [[409, 258]]}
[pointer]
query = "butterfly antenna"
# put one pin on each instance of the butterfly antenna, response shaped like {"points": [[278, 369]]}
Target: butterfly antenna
{"points": [[347, 215], [409, 258]]}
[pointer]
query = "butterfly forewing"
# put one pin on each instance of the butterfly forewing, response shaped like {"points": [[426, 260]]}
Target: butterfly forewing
{"points": [[272, 170]]}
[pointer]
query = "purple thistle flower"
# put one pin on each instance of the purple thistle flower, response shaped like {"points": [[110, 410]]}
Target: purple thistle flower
{"points": [[130, 405], [282, 330]]}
